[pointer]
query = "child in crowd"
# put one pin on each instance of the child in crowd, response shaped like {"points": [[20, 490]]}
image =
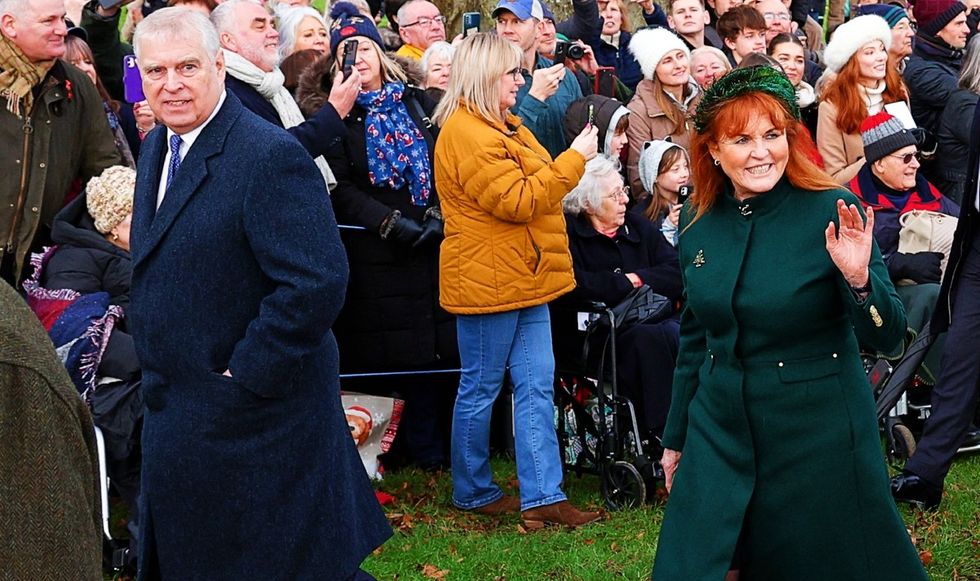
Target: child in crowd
{"points": [[664, 170]]}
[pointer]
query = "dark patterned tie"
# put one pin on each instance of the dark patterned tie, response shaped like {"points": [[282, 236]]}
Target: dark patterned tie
{"points": [[175, 142]]}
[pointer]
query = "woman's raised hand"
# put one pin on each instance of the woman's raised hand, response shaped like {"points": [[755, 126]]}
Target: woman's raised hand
{"points": [[850, 244], [587, 142]]}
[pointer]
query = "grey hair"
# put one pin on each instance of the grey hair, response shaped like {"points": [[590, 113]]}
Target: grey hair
{"points": [[223, 16], [439, 47], [587, 195], [970, 69], [289, 21], [13, 7], [403, 10], [181, 24]]}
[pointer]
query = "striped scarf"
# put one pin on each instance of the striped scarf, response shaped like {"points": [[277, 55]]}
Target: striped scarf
{"points": [[18, 76]]}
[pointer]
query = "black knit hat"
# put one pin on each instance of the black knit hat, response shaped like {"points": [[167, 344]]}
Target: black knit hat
{"points": [[883, 134]]}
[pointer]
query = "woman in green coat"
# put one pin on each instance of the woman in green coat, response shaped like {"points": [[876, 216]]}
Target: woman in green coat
{"points": [[773, 459]]}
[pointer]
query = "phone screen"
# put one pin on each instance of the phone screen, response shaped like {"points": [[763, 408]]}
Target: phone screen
{"points": [[350, 56], [471, 23]]}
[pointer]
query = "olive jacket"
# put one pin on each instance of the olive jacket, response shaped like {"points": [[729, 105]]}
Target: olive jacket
{"points": [[505, 246], [64, 137], [771, 407], [49, 470]]}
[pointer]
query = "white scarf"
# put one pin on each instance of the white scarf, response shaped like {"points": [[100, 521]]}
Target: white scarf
{"points": [[270, 86], [873, 98]]}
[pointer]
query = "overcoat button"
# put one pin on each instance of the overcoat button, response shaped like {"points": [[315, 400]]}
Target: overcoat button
{"points": [[780, 363], [835, 356]]}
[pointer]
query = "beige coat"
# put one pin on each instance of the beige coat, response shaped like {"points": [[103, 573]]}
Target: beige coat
{"points": [[843, 153], [648, 121]]}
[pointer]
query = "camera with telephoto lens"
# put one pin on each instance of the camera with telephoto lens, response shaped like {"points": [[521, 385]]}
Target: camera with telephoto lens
{"points": [[566, 50]]}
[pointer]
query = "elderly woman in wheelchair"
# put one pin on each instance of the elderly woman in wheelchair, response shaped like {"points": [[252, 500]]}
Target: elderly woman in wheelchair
{"points": [[613, 253]]}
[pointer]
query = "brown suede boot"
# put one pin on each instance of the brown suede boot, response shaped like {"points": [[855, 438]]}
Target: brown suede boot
{"points": [[560, 513], [503, 505]]}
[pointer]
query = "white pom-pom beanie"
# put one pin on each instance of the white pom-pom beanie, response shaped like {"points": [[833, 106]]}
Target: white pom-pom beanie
{"points": [[649, 45], [851, 36]]}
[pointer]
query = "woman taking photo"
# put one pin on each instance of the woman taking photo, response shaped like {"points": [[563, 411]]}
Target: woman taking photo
{"points": [[772, 459], [391, 320], [504, 258], [665, 98], [860, 84], [614, 252]]}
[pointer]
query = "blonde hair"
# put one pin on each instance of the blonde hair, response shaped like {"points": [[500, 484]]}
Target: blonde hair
{"points": [[391, 71], [479, 62]]}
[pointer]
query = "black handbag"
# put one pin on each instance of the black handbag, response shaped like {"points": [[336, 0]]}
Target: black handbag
{"points": [[641, 305]]}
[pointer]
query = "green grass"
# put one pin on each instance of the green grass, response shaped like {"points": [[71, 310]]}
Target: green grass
{"points": [[434, 541]]}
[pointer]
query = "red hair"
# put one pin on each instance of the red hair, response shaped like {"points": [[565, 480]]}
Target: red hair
{"points": [[844, 94], [732, 118]]}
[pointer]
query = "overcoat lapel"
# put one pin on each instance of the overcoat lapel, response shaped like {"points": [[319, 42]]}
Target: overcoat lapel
{"points": [[193, 170]]}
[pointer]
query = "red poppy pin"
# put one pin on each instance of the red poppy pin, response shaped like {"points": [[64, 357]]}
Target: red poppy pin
{"points": [[71, 95]]}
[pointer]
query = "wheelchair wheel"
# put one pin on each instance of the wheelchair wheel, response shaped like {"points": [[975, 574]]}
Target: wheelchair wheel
{"points": [[901, 443], [622, 486]]}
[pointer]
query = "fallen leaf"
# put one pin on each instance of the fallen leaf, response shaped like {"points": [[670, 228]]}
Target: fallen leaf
{"points": [[925, 557], [641, 534], [521, 530], [614, 547], [433, 572], [589, 541]]}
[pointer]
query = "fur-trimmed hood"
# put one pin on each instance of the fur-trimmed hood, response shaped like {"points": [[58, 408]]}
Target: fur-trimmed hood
{"points": [[317, 80]]}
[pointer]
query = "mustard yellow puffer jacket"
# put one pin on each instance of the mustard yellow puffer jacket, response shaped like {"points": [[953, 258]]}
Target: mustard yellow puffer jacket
{"points": [[505, 245]]}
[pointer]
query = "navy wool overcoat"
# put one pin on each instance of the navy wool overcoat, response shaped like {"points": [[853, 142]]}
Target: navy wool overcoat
{"points": [[241, 268]]}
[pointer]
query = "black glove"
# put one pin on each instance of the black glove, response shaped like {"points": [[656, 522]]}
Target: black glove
{"points": [[400, 228], [432, 228], [921, 267]]}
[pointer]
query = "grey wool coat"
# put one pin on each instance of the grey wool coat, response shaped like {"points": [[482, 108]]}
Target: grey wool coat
{"points": [[253, 476], [50, 512]]}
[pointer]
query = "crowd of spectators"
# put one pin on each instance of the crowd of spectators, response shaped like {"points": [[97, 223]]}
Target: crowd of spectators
{"points": [[887, 95]]}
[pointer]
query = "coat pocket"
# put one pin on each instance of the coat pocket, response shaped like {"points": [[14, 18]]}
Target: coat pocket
{"points": [[809, 369]]}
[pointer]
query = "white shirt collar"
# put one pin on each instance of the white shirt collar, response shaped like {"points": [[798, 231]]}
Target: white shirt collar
{"points": [[191, 136]]}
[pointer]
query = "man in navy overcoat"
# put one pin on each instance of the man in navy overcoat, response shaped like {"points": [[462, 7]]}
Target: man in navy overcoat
{"points": [[249, 471]]}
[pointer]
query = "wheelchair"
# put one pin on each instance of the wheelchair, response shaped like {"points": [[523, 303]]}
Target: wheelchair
{"points": [[598, 431], [902, 398]]}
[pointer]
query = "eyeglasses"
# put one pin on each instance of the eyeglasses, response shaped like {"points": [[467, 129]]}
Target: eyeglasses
{"points": [[516, 73], [623, 192], [776, 16], [907, 157], [425, 21]]}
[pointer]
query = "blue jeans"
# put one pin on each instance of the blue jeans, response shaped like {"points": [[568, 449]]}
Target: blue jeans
{"points": [[488, 344]]}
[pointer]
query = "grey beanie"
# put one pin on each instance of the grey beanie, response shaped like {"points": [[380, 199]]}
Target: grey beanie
{"points": [[648, 165], [883, 134]]}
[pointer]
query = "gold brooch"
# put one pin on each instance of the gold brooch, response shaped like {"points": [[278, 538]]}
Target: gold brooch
{"points": [[699, 259], [875, 317]]}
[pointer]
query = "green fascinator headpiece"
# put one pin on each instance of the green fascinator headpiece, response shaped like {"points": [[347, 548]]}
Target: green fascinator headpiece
{"points": [[739, 82]]}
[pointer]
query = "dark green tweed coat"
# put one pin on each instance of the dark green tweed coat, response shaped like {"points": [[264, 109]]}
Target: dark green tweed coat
{"points": [[50, 523], [771, 408]]}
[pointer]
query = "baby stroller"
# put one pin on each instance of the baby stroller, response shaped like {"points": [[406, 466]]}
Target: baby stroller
{"points": [[597, 427]]}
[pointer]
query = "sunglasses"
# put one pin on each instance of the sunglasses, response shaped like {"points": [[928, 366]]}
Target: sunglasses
{"points": [[907, 158]]}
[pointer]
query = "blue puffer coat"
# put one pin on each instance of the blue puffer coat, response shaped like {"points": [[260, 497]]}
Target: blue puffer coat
{"points": [[608, 55]]}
